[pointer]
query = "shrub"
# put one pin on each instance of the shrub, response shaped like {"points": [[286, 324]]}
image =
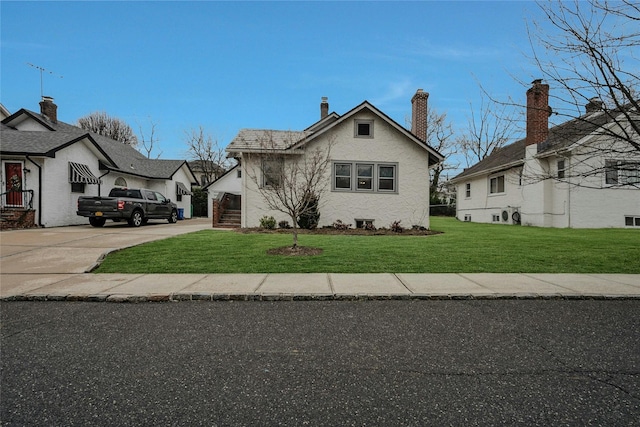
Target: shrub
{"points": [[396, 227], [284, 224], [369, 226], [311, 217], [339, 225], [268, 222]]}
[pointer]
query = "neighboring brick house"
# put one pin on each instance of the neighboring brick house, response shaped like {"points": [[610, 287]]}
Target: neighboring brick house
{"points": [[570, 175], [48, 164], [379, 171]]}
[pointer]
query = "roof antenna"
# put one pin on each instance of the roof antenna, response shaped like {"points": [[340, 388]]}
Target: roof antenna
{"points": [[41, 71]]}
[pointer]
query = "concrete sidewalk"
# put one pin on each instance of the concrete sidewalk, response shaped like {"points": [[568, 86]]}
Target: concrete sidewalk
{"points": [[271, 287], [53, 264]]}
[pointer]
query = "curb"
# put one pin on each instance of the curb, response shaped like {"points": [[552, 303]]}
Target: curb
{"points": [[180, 297]]}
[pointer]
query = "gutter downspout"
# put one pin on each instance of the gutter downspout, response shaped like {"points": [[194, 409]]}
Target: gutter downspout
{"points": [[39, 190], [100, 178]]}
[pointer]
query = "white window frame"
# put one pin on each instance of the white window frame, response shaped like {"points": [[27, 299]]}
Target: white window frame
{"points": [[623, 177], [467, 190], [497, 187], [562, 167]]}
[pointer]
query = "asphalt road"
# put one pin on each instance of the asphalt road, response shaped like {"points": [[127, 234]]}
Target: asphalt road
{"points": [[331, 363]]}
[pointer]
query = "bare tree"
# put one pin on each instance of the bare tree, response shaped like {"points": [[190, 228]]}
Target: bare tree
{"points": [[206, 151], [440, 136], [149, 140], [588, 53], [489, 128], [290, 181], [103, 124]]}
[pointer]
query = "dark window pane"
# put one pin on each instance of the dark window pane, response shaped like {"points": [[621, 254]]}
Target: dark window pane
{"points": [[364, 183], [386, 184], [386, 171], [363, 129], [343, 170], [365, 170], [343, 182]]}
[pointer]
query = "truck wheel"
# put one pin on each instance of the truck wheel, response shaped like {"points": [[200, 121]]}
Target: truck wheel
{"points": [[136, 219], [97, 222], [174, 217]]}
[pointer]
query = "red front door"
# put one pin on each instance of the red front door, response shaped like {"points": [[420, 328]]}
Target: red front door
{"points": [[13, 176]]}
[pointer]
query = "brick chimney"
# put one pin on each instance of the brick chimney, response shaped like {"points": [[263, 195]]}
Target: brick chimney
{"points": [[419, 114], [538, 112], [595, 104], [49, 109], [324, 107]]}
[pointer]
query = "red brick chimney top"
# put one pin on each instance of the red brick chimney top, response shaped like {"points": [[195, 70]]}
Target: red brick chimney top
{"points": [[49, 109], [538, 112], [419, 114]]}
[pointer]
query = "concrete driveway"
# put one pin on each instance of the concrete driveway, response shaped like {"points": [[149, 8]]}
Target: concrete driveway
{"points": [[76, 249]]}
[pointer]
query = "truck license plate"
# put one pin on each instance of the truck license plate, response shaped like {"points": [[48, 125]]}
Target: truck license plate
{"points": [[98, 213]]}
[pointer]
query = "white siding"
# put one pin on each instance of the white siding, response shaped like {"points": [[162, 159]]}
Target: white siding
{"points": [[59, 204], [482, 205], [579, 203]]}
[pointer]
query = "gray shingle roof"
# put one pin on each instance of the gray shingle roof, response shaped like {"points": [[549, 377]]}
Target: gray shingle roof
{"points": [[124, 158], [260, 139], [500, 157], [560, 137]]}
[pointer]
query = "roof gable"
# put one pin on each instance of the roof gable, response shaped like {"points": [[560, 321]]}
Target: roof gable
{"points": [[253, 140]]}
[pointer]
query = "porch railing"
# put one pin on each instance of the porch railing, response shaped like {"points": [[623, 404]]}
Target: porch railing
{"points": [[16, 199]]}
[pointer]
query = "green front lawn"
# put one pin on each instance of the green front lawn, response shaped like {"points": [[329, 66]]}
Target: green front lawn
{"points": [[462, 248]]}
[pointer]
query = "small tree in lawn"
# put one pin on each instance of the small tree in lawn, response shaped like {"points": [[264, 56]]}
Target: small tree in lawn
{"points": [[291, 180]]}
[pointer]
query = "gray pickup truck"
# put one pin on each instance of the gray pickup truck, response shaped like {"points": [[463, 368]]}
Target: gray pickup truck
{"points": [[136, 205]]}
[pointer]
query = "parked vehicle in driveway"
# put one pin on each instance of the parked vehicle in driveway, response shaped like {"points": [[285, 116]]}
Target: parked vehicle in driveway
{"points": [[135, 205]]}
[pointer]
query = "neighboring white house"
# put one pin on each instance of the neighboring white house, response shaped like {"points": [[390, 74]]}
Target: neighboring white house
{"points": [[379, 171], [571, 175], [48, 164]]}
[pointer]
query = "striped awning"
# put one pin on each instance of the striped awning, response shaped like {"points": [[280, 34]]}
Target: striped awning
{"points": [[181, 190], [80, 174]]}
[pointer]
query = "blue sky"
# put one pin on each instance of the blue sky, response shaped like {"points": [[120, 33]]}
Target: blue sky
{"points": [[233, 65]]}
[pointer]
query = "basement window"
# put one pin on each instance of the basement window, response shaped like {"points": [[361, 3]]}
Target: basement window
{"points": [[467, 218], [495, 218], [632, 221], [364, 223]]}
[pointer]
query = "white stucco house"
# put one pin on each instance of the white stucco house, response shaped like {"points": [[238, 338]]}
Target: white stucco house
{"points": [[576, 174], [47, 164], [378, 172]]}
